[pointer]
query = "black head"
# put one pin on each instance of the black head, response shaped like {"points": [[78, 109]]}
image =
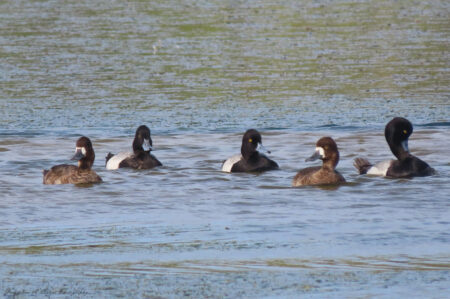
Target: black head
{"points": [[397, 132], [327, 151], [142, 141], [251, 143], [84, 153]]}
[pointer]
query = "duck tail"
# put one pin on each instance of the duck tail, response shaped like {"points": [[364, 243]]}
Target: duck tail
{"points": [[109, 156], [362, 165]]}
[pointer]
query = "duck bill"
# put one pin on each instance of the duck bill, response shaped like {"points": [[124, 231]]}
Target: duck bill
{"points": [[317, 155], [147, 146], [78, 155], [405, 145], [261, 148]]}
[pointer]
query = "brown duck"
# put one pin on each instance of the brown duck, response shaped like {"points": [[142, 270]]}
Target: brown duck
{"points": [[71, 174], [327, 151]]}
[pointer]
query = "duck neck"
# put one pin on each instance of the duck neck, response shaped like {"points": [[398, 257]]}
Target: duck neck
{"points": [[253, 156], [85, 163], [137, 146], [399, 151], [331, 162], [140, 154]]}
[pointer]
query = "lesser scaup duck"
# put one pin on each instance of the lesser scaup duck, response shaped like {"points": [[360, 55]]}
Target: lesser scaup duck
{"points": [[140, 158], [397, 132], [327, 151], [71, 174], [250, 160]]}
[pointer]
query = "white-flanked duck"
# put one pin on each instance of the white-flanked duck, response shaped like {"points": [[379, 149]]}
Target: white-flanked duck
{"points": [[140, 158], [397, 132], [250, 159]]}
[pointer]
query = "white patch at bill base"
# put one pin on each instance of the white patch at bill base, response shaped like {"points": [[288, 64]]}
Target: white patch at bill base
{"points": [[321, 151], [83, 150]]}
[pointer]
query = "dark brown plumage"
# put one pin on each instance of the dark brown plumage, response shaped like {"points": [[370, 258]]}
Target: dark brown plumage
{"points": [[70, 174], [327, 151]]}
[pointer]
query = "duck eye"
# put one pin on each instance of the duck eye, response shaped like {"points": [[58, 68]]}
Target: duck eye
{"points": [[250, 140], [405, 132]]}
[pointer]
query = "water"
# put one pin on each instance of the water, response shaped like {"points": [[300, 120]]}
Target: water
{"points": [[199, 74]]}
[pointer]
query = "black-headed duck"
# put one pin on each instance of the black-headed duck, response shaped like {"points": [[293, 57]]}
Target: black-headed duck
{"points": [[250, 159], [397, 132], [140, 158]]}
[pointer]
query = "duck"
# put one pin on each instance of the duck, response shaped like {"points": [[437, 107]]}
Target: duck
{"points": [[327, 151], [250, 159], [140, 158], [396, 132], [71, 174]]}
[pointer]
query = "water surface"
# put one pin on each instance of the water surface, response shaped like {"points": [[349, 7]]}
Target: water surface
{"points": [[199, 73]]}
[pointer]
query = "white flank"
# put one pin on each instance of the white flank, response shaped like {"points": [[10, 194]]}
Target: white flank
{"points": [[380, 168], [114, 162], [228, 164]]}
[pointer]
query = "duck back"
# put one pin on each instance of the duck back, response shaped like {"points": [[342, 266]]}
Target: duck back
{"points": [[140, 161], [70, 174], [409, 167], [260, 164], [317, 176]]}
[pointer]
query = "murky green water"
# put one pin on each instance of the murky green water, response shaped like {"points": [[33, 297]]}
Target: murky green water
{"points": [[199, 73]]}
